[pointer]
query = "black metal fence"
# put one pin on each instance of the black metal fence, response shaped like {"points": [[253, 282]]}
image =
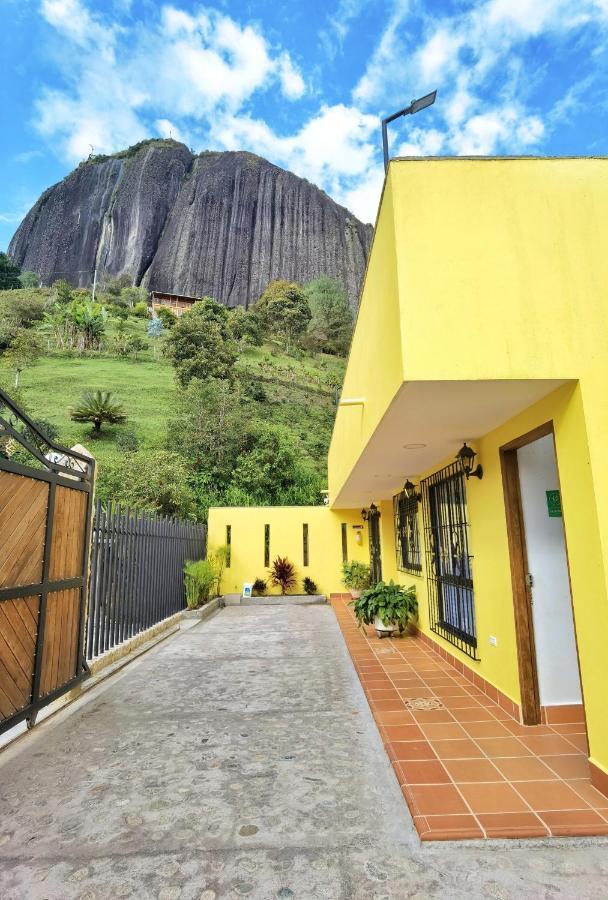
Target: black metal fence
{"points": [[137, 579]]}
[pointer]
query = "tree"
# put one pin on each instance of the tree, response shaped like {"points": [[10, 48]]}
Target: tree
{"points": [[166, 316], [19, 309], [23, 352], [29, 280], [331, 324], [267, 466], [88, 321], [207, 429], [155, 330], [157, 481], [245, 326], [97, 408], [63, 291], [9, 273], [283, 311], [136, 344], [201, 345]]}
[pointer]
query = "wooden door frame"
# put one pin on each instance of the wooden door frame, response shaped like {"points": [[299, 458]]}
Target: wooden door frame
{"points": [[518, 558]]}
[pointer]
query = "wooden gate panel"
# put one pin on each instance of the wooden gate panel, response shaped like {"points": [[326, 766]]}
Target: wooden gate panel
{"points": [[18, 629], [23, 510], [45, 505], [69, 529], [59, 656]]}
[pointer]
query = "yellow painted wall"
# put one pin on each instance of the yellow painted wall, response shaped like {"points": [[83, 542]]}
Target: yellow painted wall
{"points": [[374, 368], [286, 539]]}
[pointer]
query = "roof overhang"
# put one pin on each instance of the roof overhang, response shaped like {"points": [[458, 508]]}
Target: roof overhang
{"points": [[426, 424]]}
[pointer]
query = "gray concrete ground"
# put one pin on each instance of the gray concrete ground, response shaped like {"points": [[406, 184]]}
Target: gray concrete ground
{"points": [[239, 758]]}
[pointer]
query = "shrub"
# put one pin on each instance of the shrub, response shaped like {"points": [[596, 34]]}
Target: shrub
{"points": [[259, 587], [98, 407], [166, 316], [355, 575], [199, 579], [282, 574], [127, 441], [141, 310], [309, 586]]}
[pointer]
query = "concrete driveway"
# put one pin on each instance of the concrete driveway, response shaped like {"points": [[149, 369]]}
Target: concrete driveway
{"points": [[239, 758]]}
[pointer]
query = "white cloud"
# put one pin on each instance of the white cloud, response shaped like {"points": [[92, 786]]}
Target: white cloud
{"points": [[181, 67], [27, 156]]}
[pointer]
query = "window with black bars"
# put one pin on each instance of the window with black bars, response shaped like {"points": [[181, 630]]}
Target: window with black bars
{"points": [[228, 545], [266, 545], [407, 534], [344, 542], [449, 571], [305, 544]]}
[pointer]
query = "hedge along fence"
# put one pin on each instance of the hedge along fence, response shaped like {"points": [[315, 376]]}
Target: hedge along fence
{"points": [[137, 579]]}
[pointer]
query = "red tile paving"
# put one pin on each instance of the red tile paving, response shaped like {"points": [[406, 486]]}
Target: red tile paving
{"points": [[466, 768]]}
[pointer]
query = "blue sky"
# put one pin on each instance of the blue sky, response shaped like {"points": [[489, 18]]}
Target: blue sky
{"points": [[302, 83]]}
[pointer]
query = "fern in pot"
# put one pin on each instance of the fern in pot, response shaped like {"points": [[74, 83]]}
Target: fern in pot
{"points": [[388, 607]]}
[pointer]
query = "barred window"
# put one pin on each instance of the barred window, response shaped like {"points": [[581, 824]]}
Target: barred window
{"points": [[407, 535], [266, 545], [228, 545], [449, 571]]}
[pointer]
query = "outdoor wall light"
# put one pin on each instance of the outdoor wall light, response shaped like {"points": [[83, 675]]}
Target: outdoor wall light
{"points": [[369, 513], [410, 491], [466, 456]]}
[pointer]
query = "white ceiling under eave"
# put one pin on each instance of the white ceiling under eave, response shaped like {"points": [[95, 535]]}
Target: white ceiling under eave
{"points": [[440, 415]]}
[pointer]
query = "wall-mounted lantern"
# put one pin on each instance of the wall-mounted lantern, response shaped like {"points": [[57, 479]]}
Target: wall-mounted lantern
{"points": [[358, 529], [466, 457], [370, 513], [410, 491]]}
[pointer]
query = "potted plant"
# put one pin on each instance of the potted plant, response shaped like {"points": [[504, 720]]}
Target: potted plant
{"points": [[388, 607], [355, 577]]}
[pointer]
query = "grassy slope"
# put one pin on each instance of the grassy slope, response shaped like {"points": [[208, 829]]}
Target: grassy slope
{"points": [[146, 388]]}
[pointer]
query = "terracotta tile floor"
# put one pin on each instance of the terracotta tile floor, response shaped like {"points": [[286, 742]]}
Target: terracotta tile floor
{"points": [[466, 768]]}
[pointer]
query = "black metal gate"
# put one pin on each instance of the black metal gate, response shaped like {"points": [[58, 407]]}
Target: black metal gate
{"points": [[450, 578], [45, 520]]}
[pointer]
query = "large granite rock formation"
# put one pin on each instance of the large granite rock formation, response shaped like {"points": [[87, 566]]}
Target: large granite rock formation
{"points": [[217, 224]]}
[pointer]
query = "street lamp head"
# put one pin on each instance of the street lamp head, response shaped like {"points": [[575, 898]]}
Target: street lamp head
{"points": [[423, 102], [414, 107]]}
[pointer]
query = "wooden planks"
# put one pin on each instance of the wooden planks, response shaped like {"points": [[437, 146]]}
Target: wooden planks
{"points": [[69, 529], [59, 653], [18, 629], [23, 505]]}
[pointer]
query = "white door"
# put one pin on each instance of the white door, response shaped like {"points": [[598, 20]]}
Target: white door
{"points": [[554, 637]]}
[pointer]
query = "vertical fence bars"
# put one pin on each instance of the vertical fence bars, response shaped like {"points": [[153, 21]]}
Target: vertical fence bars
{"points": [[137, 563]]}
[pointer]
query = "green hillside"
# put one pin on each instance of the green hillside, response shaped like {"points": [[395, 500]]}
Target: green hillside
{"points": [[294, 393]]}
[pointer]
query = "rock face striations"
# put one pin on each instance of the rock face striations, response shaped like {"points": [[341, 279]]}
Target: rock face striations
{"points": [[217, 224]]}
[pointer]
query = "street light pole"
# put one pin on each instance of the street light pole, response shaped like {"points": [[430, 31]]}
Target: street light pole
{"points": [[414, 107]]}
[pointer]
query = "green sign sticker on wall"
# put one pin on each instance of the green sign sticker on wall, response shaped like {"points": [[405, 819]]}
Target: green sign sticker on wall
{"points": [[554, 504]]}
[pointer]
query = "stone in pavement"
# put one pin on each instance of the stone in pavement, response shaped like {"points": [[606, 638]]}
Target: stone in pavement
{"points": [[239, 759]]}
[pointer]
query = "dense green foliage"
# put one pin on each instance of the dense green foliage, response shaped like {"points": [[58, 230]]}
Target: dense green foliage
{"points": [[9, 273], [355, 575], [283, 312], [217, 412], [331, 323], [200, 344]]}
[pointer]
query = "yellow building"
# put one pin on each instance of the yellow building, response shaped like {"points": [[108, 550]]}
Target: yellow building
{"points": [[483, 319]]}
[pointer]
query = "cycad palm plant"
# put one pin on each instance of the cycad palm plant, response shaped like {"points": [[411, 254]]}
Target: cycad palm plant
{"points": [[98, 407]]}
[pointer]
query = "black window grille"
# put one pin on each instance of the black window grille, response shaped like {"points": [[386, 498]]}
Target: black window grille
{"points": [[407, 534], [344, 542], [449, 572], [266, 545], [228, 545], [305, 543]]}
